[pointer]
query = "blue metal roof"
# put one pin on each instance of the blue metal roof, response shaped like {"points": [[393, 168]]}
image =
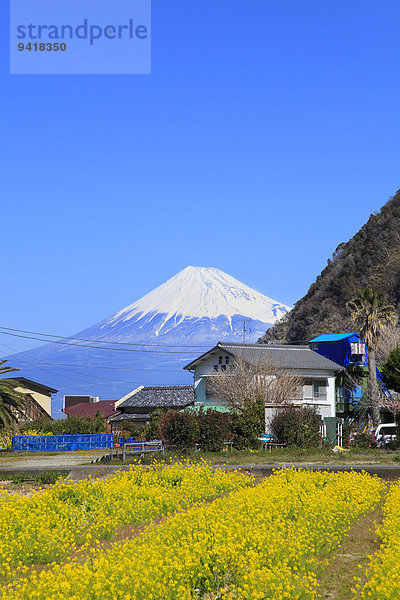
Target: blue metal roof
{"points": [[333, 337]]}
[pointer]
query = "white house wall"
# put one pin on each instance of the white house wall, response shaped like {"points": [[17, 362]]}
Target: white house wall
{"points": [[205, 368], [326, 408]]}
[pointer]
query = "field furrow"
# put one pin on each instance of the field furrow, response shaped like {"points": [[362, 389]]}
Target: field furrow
{"points": [[255, 544]]}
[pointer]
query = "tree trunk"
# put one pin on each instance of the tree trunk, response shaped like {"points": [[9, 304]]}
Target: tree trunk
{"points": [[373, 388]]}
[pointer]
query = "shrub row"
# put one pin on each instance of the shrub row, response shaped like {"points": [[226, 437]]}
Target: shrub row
{"points": [[68, 426], [297, 427], [209, 428]]}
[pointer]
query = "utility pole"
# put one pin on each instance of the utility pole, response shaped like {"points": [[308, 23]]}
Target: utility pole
{"points": [[245, 329]]}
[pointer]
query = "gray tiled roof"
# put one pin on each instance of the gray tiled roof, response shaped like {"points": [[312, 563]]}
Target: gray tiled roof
{"points": [[130, 417], [177, 396], [284, 356]]}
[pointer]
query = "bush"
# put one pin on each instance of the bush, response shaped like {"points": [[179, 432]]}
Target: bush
{"points": [[247, 423], [152, 431], [361, 440], [179, 428], [132, 430], [297, 427], [210, 428], [214, 428], [68, 426], [390, 370]]}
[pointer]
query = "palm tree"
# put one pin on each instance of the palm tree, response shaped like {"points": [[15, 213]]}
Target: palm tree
{"points": [[371, 311], [11, 402]]}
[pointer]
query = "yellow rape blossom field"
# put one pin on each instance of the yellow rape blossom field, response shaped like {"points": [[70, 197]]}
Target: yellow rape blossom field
{"points": [[383, 574], [50, 525], [253, 542]]}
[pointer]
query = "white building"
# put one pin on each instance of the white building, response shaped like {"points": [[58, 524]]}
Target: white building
{"points": [[316, 373]]}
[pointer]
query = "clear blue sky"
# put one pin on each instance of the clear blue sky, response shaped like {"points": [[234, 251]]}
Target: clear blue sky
{"points": [[265, 136]]}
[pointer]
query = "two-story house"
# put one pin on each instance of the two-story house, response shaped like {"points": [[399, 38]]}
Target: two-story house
{"points": [[351, 352], [315, 372]]}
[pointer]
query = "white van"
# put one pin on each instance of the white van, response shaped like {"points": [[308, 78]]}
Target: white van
{"points": [[385, 433]]}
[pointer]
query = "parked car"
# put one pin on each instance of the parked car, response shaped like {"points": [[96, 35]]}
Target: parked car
{"points": [[384, 434]]}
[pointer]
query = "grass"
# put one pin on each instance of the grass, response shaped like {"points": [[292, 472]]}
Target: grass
{"points": [[350, 559], [352, 456], [45, 478], [23, 454]]}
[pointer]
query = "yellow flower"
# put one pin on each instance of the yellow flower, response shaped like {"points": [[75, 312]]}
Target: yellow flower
{"points": [[251, 543]]}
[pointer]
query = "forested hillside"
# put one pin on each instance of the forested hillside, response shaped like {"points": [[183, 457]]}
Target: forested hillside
{"points": [[370, 259]]}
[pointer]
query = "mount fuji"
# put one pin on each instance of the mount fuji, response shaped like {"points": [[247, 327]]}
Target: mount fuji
{"points": [[148, 342]]}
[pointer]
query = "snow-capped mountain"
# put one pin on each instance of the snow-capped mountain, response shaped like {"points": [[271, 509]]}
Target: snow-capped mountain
{"points": [[202, 292], [195, 302], [148, 342]]}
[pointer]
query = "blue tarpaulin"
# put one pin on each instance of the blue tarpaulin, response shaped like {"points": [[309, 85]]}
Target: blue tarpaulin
{"points": [[59, 443]]}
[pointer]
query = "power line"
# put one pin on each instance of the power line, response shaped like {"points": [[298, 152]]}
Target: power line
{"points": [[101, 368], [73, 365], [105, 341], [38, 365], [27, 337], [103, 381], [89, 383]]}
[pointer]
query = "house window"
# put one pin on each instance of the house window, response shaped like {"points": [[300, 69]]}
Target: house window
{"points": [[227, 360], [307, 389], [340, 398], [357, 348], [315, 389], [319, 388], [223, 368], [215, 367], [220, 360]]}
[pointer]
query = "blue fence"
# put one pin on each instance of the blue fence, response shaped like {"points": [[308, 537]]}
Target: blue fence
{"points": [[59, 443]]}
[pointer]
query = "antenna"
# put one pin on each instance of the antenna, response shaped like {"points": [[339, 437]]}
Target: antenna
{"points": [[245, 329]]}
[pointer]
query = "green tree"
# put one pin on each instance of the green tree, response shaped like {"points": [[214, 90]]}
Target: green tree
{"points": [[70, 425], [12, 403], [180, 429], [247, 423], [391, 370], [372, 312], [214, 428], [295, 426]]}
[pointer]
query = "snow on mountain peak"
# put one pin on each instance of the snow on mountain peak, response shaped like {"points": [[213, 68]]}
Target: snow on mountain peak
{"points": [[195, 308], [203, 292]]}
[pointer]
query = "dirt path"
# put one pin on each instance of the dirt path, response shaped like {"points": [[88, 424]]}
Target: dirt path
{"points": [[337, 580], [49, 460]]}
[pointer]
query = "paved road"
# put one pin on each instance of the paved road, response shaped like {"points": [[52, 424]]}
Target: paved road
{"points": [[388, 472], [78, 465]]}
